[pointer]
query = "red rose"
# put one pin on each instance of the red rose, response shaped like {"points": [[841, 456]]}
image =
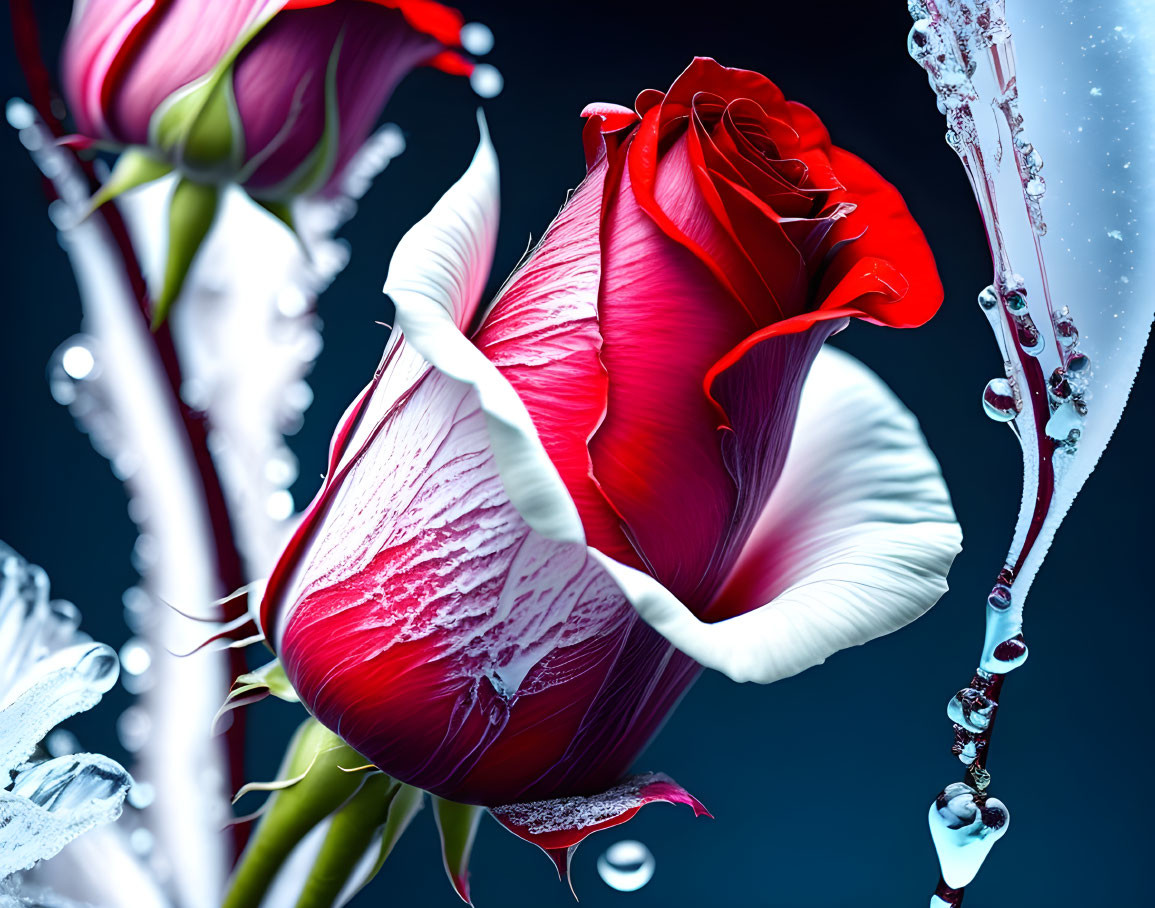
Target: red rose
{"points": [[529, 535]]}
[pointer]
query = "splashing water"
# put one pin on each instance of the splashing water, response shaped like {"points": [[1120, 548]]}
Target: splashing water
{"points": [[1021, 82], [626, 866]]}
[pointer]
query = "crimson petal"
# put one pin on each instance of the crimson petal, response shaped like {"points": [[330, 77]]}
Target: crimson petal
{"points": [[559, 825]]}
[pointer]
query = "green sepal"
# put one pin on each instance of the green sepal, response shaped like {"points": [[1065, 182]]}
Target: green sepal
{"points": [[191, 213], [282, 211], [134, 167], [214, 138], [199, 124], [318, 762], [457, 825]]}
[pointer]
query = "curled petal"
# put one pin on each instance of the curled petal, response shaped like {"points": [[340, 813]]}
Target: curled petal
{"points": [[559, 825], [854, 542], [435, 281], [53, 802]]}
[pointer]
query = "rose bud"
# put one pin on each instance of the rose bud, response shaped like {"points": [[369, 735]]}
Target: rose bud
{"points": [[540, 521], [276, 97]]}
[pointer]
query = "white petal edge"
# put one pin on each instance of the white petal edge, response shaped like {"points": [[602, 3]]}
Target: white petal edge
{"points": [[878, 559], [436, 278]]}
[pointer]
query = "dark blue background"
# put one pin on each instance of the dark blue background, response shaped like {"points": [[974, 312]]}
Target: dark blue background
{"points": [[820, 783]]}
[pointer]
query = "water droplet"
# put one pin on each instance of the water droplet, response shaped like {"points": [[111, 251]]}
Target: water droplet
{"points": [[20, 113], [626, 866], [279, 505], [964, 825], [77, 362], [1067, 333], [1000, 597], [1115, 235], [1034, 160], [133, 728], [1028, 335], [1078, 364], [999, 400], [1065, 424], [486, 80], [918, 37], [1011, 653], [971, 709], [135, 660], [61, 743], [141, 841], [142, 794], [292, 301], [1016, 301], [1096, 92], [967, 745], [988, 298], [1058, 385], [281, 469], [476, 38], [1036, 187], [99, 667]]}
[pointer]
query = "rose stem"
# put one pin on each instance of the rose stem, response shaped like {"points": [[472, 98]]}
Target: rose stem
{"points": [[229, 565]]}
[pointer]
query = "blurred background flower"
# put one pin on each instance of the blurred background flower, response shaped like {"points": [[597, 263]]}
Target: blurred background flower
{"points": [[274, 96]]}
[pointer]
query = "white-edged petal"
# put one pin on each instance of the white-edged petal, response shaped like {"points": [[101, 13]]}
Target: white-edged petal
{"points": [[435, 280], [855, 542]]}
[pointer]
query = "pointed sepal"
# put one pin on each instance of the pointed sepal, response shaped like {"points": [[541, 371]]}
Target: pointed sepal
{"points": [[557, 826], [281, 210], [406, 804], [254, 686], [311, 785], [457, 826], [135, 167], [191, 213]]}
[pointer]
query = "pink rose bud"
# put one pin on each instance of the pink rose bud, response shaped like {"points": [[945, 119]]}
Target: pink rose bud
{"points": [[539, 523], [275, 95]]}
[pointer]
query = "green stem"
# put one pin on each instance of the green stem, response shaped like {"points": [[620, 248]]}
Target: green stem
{"points": [[319, 755], [350, 836]]}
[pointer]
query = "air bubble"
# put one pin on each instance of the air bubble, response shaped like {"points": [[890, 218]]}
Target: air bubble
{"points": [[626, 866]]}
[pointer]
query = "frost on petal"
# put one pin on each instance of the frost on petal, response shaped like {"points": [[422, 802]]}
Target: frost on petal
{"points": [[559, 825], [53, 802], [49, 670], [855, 540], [435, 280], [437, 630], [1054, 130]]}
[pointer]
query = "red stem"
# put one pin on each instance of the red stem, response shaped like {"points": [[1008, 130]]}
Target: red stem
{"points": [[229, 565]]}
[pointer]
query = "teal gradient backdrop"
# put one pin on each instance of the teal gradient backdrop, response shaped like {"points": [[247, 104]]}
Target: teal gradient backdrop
{"points": [[820, 783]]}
